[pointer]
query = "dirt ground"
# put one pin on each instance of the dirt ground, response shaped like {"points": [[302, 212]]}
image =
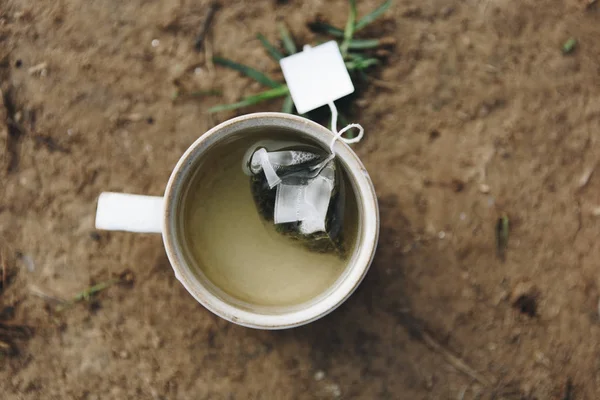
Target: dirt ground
{"points": [[477, 114]]}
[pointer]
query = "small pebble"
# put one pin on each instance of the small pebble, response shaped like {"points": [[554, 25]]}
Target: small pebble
{"points": [[462, 216], [442, 234], [429, 381], [134, 117], [156, 341], [70, 132], [319, 375], [483, 188], [596, 211], [585, 177], [155, 43], [197, 70], [38, 68], [540, 358], [29, 263], [334, 390]]}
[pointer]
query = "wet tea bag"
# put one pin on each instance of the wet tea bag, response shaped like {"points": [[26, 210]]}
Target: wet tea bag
{"points": [[300, 190], [298, 187]]}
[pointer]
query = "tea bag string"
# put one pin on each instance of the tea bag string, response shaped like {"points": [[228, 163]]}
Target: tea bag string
{"points": [[334, 117], [338, 135], [273, 179]]}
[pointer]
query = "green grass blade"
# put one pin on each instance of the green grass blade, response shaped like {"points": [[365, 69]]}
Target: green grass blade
{"points": [[250, 72], [287, 40], [363, 44], [323, 27], [569, 46], [359, 65], [273, 52], [349, 31], [356, 56], [288, 105], [378, 12], [250, 100], [367, 63]]}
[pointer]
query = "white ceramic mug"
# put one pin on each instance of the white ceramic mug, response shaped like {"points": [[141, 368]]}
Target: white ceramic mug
{"points": [[137, 213]]}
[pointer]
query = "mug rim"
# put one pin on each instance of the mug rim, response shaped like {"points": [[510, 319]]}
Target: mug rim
{"points": [[357, 267]]}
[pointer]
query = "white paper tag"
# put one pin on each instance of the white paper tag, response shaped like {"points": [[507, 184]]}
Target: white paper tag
{"points": [[316, 76]]}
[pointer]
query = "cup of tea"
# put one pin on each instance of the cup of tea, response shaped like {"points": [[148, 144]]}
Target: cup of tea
{"points": [[232, 261]]}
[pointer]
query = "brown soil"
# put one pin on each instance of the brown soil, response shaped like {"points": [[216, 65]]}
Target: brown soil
{"points": [[477, 93]]}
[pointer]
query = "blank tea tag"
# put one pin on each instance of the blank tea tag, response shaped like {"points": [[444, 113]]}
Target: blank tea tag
{"points": [[316, 76]]}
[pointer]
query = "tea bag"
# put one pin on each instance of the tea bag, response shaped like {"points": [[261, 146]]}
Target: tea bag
{"points": [[300, 190]]}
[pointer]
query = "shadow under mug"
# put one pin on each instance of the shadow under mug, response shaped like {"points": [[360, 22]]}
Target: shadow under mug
{"points": [[136, 213]]}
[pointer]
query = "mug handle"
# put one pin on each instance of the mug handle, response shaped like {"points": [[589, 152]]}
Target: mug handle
{"points": [[129, 212]]}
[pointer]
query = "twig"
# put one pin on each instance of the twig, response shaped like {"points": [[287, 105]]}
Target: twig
{"points": [[456, 362], [212, 9], [14, 129], [502, 233], [208, 56], [416, 330], [36, 291], [3, 262]]}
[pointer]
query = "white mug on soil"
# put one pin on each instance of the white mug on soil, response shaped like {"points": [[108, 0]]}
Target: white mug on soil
{"points": [[135, 213]]}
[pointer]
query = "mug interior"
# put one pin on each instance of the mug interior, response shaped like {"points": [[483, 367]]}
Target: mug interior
{"points": [[233, 308]]}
